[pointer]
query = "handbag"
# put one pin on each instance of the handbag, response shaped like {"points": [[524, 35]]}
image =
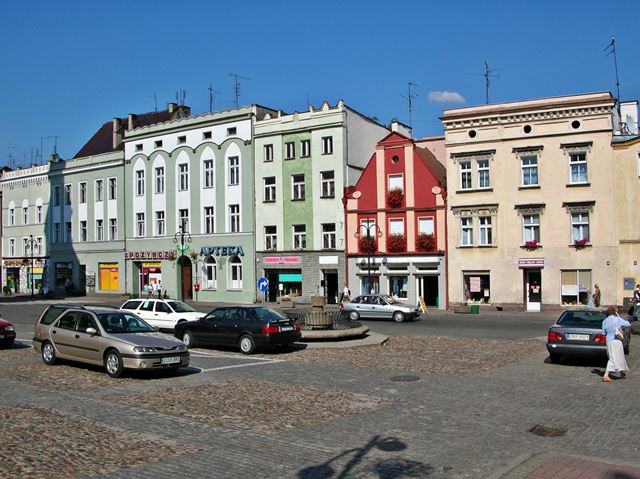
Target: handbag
{"points": [[619, 334]]}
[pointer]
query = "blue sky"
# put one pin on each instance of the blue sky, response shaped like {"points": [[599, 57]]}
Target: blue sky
{"points": [[69, 66]]}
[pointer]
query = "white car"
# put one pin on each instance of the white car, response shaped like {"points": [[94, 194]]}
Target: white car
{"points": [[162, 313]]}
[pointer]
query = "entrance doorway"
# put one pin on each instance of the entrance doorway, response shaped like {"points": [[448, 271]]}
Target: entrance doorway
{"points": [[185, 277], [272, 292], [82, 282], [533, 289], [428, 289], [330, 285]]}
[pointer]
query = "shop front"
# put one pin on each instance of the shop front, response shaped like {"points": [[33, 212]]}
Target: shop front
{"points": [[146, 269], [18, 274], [109, 277], [532, 282]]}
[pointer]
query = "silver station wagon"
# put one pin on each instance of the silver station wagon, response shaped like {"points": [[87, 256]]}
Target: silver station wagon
{"points": [[380, 306], [105, 337]]}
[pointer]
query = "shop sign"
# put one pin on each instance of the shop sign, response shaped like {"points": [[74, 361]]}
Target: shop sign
{"points": [[281, 260], [147, 254], [222, 251], [531, 263], [15, 263]]}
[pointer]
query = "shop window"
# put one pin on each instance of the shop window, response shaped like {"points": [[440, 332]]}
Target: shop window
{"points": [[477, 287], [370, 285], [211, 273], [398, 286], [574, 286]]}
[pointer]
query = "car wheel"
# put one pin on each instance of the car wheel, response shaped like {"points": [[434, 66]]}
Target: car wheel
{"points": [[354, 315], [113, 363], [188, 339], [398, 316], [48, 353], [554, 358], [247, 345]]}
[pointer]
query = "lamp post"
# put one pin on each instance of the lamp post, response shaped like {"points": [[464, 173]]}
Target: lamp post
{"points": [[368, 227], [31, 242], [183, 237]]}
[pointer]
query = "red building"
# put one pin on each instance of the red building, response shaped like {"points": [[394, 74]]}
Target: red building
{"points": [[395, 224]]}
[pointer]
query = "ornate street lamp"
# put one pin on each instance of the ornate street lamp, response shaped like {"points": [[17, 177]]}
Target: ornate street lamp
{"points": [[183, 237], [31, 241], [370, 243]]}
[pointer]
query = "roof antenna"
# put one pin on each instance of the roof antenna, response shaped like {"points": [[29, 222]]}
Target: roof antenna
{"points": [[211, 93], [410, 97], [612, 49], [488, 73], [155, 101], [55, 144], [237, 85]]}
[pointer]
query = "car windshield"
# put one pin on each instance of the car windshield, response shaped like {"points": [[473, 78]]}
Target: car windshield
{"points": [[123, 323], [389, 299], [267, 314], [588, 319], [180, 307]]}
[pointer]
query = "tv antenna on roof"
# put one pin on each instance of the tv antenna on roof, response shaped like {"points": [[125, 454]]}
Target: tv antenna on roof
{"points": [[55, 143], [155, 101], [237, 85], [488, 74], [612, 49], [211, 93], [410, 97], [180, 96]]}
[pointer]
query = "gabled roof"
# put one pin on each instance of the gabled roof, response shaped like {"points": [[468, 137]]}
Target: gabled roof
{"points": [[437, 168]]}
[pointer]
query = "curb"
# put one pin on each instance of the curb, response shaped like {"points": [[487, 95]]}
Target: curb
{"points": [[371, 339]]}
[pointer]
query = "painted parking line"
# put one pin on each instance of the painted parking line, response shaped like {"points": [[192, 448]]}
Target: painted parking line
{"points": [[271, 361], [205, 354]]}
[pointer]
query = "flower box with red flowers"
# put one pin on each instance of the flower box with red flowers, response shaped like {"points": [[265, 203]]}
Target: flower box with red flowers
{"points": [[396, 243], [425, 242], [395, 197], [367, 244], [580, 243], [531, 245]]}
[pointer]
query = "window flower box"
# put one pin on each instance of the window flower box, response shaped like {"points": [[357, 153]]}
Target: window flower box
{"points": [[396, 243], [395, 197], [367, 244], [531, 245], [580, 243], [426, 242]]}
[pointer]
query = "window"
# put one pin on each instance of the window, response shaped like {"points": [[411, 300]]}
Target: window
{"points": [[268, 152], [299, 236], [160, 224], [138, 146], [183, 215], [234, 218], [113, 228], [465, 175], [297, 187], [485, 238], [574, 286], [12, 246], [183, 172], [395, 182], [159, 180], [327, 184], [236, 272], [531, 228], [270, 237], [140, 182], [98, 190], [484, 180], [39, 214], [466, 231], [477, 287], [25, 215], [83, 193], [206, 135], [12, 216], [37, 250], [580, 226], [67, 194], [56, 196], [211, 272], [368, 228], [83, 230], [67, 232], [99, 230], [208, 173], [234, 170], [25, 247], [56, 233], [425, 226], [398, 286], [529, 166], [329, 236], [113, 189], [182, 139], [269, 189], [396, 226], [140, 225], [305, 148], [209, 224], [327, 145], [157, 144], [578, 168], [232, 131], [289, 150]]}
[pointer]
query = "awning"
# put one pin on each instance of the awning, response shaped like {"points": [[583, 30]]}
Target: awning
{"points": [[290, 278]]}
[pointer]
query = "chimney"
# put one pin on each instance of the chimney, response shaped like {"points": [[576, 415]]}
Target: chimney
{"points": [[172, 107], [132, 121], [117, 132], [401, 128]]}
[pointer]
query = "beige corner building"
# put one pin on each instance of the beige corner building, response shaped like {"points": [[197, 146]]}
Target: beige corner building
{"points": [[532, 188]]}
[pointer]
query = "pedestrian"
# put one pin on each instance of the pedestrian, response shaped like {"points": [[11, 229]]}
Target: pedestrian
{"points": [[611, 328], [346, 293], [636, 303], [590, 299], [149, 288], [159, 289], [596, 296], [154, 288]]}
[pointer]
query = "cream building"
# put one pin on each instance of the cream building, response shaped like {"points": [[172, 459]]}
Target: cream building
{"points": [[531, 201]]}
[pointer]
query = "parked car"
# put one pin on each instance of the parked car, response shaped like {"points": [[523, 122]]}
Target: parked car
{"points": [[578, 332], [162, 313], [248, 327], [380, 306], [7, 333], [106, 337]]}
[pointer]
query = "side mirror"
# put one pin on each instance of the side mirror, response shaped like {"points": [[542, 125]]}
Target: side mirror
{"points": [[91, 331]]}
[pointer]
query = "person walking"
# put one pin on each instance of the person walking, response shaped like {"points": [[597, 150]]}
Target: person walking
{"points": [[596, 296], [590, 299], [159, 289], [615, 351], [346, 293]]}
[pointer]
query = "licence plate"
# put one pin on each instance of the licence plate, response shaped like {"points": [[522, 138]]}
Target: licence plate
{"points": [[286, 328], [578, 337], [171, 360]]}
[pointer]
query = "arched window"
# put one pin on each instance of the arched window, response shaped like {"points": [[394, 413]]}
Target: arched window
{"points": [[210, 272], [235, 273]]}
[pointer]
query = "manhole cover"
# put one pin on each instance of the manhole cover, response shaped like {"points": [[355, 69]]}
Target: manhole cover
{"points": [[405, 379], [543, 431]]}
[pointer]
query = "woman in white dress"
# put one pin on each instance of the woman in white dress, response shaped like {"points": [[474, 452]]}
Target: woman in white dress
{"points": [[617, 362]]}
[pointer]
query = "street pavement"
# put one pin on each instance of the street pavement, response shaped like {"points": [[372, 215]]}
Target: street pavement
{"points": [[437, 406]]}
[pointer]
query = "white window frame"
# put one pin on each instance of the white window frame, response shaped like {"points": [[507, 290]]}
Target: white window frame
{"points": [[39, 214], [235, 273], [328, 236], [25, 215], [396, 226], [466, 231], [484, 173], [139, 182], [299, 236], [327, 145], [529, 166], [234, 218], [161, 223], [113, 229], [580, 226], [84, 232], [290, 150], [140, 225], [12, 246], [25, 246], [328, 184], [465, 168], [305, 148], [209, 220], [485, 231], [183, 174], [208, 176], [395, 181], [82, 192], [268, 152], [297, 187], [210, 271], [56, 196], [158, 172], [183, 220], [100, 229], [113, 188], [271, 238], [38, 250], [98, 190], [234, 170], [269, 189], [531, 227], [12, 217], [577, 164], [426, 225], [67, 194]]}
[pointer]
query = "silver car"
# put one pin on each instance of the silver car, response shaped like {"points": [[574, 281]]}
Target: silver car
{"points": [[380, 306], [105, 337]]}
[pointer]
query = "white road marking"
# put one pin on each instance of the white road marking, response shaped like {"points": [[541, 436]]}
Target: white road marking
{"points": [[204, 354], [24, 340], [240, 365]]}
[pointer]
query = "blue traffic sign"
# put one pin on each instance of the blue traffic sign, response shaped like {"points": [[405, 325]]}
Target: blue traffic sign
{"points": [[263, 284]]}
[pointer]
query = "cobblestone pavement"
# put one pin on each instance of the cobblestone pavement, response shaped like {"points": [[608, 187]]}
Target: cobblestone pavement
{"points": [[318, 414]]}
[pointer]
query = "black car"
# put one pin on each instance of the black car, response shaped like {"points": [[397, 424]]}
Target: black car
{"points": [[249, 327]]}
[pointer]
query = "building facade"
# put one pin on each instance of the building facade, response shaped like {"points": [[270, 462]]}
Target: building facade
{"points": [[530, 197], [396, 225], [302, 163]]}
